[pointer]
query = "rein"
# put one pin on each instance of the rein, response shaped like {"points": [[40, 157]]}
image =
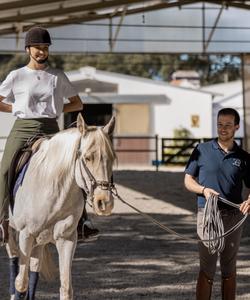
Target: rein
{"points": [[212, 222], [214, 238]]}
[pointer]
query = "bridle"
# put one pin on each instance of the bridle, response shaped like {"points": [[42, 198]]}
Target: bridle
{"points": [[94, 184]]}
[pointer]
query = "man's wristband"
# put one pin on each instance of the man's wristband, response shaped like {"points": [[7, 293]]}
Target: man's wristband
{"points": [[204, 187]]}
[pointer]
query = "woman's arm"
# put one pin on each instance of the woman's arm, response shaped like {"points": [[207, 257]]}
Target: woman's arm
{"points": [[74, 105], [4, 107]]}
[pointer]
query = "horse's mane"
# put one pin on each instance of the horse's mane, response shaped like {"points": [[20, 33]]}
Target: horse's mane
{"points": [[55, 157], [54, 160]]}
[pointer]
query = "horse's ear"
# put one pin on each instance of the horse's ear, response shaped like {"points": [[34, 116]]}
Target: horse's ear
{"points": [[109, 128], [82, 127]]}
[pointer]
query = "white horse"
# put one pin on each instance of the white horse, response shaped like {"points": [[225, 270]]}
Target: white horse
{"points": [[49, 203]]}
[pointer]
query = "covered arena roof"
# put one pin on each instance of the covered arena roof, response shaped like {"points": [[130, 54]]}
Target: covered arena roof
{"points": [[21, 14], [167, 26]]}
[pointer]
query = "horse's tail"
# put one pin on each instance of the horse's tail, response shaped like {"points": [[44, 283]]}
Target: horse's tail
{"points": [[49, 269]]}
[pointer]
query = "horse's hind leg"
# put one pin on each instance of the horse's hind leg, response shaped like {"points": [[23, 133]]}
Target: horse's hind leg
{"points": [[25, 246], [66, 250]]}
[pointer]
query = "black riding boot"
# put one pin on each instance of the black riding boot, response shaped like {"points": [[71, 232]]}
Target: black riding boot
{"points": [[203, 287], [85, 228], [228, 288]]}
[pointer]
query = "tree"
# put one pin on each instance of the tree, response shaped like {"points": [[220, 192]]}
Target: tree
{"points": [[212, 68]]}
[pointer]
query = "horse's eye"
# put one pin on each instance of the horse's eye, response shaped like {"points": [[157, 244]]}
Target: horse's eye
{"points": [[87, 158]]}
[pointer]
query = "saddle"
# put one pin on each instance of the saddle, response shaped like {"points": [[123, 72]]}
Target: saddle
{"points": [[19, 161]]}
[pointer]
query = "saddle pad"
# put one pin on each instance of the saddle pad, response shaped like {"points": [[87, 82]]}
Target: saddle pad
{"points": [[18, 167], [20, 178]]}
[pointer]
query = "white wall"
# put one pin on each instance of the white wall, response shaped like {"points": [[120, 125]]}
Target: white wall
{"points": [[231, 96], [178, 114], [165, 118]]}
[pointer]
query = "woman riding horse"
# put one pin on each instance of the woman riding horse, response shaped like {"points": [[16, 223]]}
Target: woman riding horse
{"points": [[34, 94]]}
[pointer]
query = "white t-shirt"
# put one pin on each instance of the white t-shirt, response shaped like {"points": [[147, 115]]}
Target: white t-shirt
{"points": [[37, 93]]}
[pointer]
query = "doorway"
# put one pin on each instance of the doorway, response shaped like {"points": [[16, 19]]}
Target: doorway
{"points": [[93, 114]]}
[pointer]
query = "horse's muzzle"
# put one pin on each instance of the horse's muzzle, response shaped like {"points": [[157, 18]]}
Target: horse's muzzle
{"points": [[103, 203]]}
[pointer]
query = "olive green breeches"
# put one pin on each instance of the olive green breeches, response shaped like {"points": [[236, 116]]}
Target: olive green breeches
{"points": [[22, 131]]}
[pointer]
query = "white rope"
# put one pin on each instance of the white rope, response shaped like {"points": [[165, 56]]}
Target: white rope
{"points": [[217, 237], [213, 228]]}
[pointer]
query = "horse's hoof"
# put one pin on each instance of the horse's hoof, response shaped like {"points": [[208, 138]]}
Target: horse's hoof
{"points": [[21, 287], [20, 296]]}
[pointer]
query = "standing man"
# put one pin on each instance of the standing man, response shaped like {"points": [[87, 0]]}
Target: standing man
{"points": [[37, 94], [219, 168]]}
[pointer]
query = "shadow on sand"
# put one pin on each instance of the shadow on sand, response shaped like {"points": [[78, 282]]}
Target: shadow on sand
{"points": [[134, 259]]}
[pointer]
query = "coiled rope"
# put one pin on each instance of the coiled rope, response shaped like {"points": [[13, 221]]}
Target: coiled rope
{"points": [[213, 228]]}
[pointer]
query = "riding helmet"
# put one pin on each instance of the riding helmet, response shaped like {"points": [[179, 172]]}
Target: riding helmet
{"points": [[37, 36]]}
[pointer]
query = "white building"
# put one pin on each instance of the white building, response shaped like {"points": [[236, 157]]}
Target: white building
{"points": [[228, 94], [145, 107]]}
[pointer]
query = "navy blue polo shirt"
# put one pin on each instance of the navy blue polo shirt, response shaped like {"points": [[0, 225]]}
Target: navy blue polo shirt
{"points": [[223, 172]]}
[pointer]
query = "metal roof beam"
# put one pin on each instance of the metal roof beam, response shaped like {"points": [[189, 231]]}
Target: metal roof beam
{"points": [[68, 12], [63, 10], [21, 4], [235, 4], [76, 19], [214, 28]]}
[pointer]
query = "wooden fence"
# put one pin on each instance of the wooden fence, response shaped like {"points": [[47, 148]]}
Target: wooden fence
{"points": [[151, 150]]}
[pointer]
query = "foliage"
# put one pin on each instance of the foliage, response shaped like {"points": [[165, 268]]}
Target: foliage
{"points": [[11, 62], [212, 69], [182, 132], [177, 146]]}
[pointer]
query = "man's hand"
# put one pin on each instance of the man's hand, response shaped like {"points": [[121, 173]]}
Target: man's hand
{"points": [[207, 192], [245, 206]]}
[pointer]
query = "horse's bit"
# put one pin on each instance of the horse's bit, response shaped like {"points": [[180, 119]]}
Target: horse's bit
{"points": [[102, 184]]}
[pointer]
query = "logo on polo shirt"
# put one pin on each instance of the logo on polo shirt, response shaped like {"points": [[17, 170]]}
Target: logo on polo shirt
{"points": [[236, 162]]}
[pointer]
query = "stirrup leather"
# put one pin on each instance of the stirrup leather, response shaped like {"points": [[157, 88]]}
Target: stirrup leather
{"points": [[2, 235]]}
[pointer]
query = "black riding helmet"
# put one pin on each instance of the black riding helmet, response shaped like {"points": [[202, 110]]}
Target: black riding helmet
{"points": [[37, 36]]}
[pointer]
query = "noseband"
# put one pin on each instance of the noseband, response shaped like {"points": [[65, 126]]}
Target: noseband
{"points": [[94, 184]]}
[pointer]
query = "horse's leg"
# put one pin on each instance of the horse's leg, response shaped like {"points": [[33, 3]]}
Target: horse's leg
{"points": [[13, 253], [66, 250], [13, 269], [35, 267], [22, 279], [33, 280]]}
